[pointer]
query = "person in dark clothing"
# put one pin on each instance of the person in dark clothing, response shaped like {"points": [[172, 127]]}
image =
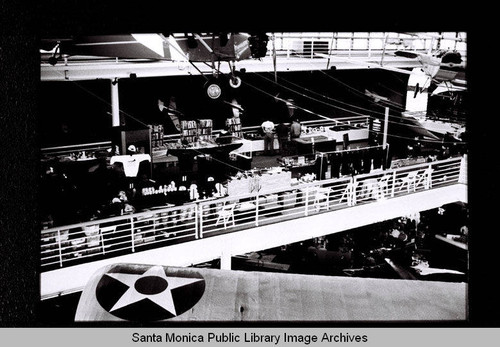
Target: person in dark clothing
{"points": [[376, 155], [336, 161], [282, 134], [356, 161], [367, 160], [346, 163]]}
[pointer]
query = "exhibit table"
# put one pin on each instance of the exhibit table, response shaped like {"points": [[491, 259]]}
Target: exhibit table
{"points": [[186, 155], [312, 143]]}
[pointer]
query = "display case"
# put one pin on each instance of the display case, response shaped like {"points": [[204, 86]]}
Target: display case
{"points": [[355, 132], [205, 129], [299, 165], [311, 144], [157, 133], [234, 126], [189, 131]]}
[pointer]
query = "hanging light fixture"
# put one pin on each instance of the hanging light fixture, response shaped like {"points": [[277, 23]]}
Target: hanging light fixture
{"points": [[214, 91], [212, 88]]}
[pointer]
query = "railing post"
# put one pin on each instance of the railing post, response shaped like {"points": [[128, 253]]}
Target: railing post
{"points": [[307, 202], [60, 247], [428, 177], [132, 233], [102, 241], [354, 187], [201, 220], [462, 173], [257, 210], [196, 228], [393, 183]]}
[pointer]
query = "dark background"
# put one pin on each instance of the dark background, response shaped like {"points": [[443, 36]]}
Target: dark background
{"points": [[24, 22], [85, 106]]}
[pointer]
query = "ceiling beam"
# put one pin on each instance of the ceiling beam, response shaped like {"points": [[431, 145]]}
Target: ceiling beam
{"points": [[74, 71]]}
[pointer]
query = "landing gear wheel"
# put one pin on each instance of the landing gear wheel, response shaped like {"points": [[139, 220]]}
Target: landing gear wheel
{"points": [[235, 82]]}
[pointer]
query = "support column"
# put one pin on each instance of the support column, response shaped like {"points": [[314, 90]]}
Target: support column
{"points": [[386, 123], [225, 261], [115, 103]]}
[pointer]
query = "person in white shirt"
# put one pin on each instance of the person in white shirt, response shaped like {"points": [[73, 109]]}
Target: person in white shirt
{"points": [[268, 128], [295, 129]]}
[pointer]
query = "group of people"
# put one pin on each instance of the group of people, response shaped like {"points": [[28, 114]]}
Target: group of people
{"points": [[284, 111], [283, 133], [289, 126]]}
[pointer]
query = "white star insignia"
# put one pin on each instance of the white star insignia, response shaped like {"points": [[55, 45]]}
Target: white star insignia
{"points": [[163, 299]]}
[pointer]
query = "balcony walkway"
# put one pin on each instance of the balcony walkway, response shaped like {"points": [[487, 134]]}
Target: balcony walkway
{"points": [[204, 240]]}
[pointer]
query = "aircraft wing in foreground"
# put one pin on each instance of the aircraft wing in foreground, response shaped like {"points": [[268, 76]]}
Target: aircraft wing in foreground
{"points": [[152, 293]]}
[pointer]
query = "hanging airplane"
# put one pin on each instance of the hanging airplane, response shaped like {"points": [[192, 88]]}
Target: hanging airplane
{"points": [[445, 68], [440, 72], [210, 49]]}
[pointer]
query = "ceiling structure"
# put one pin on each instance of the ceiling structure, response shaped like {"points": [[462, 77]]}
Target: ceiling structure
{"points": [[285, 52]]}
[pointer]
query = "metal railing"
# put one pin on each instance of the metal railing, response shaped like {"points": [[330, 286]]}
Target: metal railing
{"points": [[90, 147], [337, 43], [104, 238], [353, 121], [85, 242], [357, 121], [364, 43]]}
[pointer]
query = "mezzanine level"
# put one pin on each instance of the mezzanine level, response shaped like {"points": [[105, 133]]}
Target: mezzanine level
{"points": [[204, 230]]}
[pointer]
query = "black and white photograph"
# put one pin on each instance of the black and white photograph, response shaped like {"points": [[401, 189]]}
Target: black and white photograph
{"points": [[254, 176], [306, 182]]}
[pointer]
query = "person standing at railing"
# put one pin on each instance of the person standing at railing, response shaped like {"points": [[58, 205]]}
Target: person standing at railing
{"points": [[445, 152], [268, 129], [119, 205], [295, 129]]}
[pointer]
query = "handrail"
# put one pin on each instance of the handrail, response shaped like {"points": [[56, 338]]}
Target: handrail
{"points": [[365, 42], [103, 238], [76, 147], [107, 144]]}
